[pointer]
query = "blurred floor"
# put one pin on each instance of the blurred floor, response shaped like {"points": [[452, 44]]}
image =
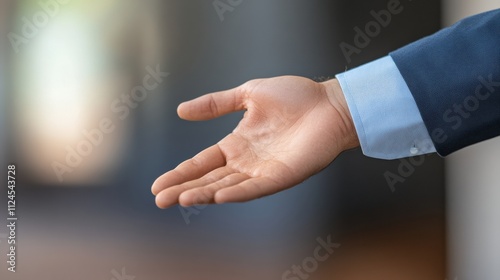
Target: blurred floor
{"points": [[409, 250]]}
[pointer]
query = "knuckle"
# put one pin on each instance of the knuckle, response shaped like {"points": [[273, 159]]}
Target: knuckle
{"points": [[213, 105], [202, 197], [196, 161]]}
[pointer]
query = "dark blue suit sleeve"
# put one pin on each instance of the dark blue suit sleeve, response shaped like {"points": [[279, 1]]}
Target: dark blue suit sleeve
{"points": [[454, 77]]}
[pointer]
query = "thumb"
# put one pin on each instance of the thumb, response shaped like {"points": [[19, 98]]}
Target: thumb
{"points": [[212, 105]]}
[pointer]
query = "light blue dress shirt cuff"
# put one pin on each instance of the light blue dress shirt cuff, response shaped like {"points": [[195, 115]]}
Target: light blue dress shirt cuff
{"points": [[385, 115]]}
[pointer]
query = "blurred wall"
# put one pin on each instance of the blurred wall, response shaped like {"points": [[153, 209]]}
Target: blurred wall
{"points": [[473, 188]]}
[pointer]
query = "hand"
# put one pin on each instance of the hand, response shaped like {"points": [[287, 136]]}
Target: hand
{"points": [[292, 128]]}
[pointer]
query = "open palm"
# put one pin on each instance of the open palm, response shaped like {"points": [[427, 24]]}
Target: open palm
{"points": [[292, 128]]}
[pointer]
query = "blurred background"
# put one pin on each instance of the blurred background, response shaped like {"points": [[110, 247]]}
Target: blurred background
{"points": [[88, 141]]}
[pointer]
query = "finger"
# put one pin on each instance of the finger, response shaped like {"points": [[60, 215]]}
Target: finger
{"points": [[194, 168], [247, 190], [205, 194], [212, 105], [170, 195]]}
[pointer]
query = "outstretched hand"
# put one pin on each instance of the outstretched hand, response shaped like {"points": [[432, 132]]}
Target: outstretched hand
{"points": [[293, 127]]}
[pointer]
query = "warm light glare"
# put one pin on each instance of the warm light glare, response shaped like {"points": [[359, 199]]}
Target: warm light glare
{"points": [[61, 71], [64, 92]]}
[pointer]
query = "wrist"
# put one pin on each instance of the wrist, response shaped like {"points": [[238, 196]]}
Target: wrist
{"points": [[338, 101]]}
